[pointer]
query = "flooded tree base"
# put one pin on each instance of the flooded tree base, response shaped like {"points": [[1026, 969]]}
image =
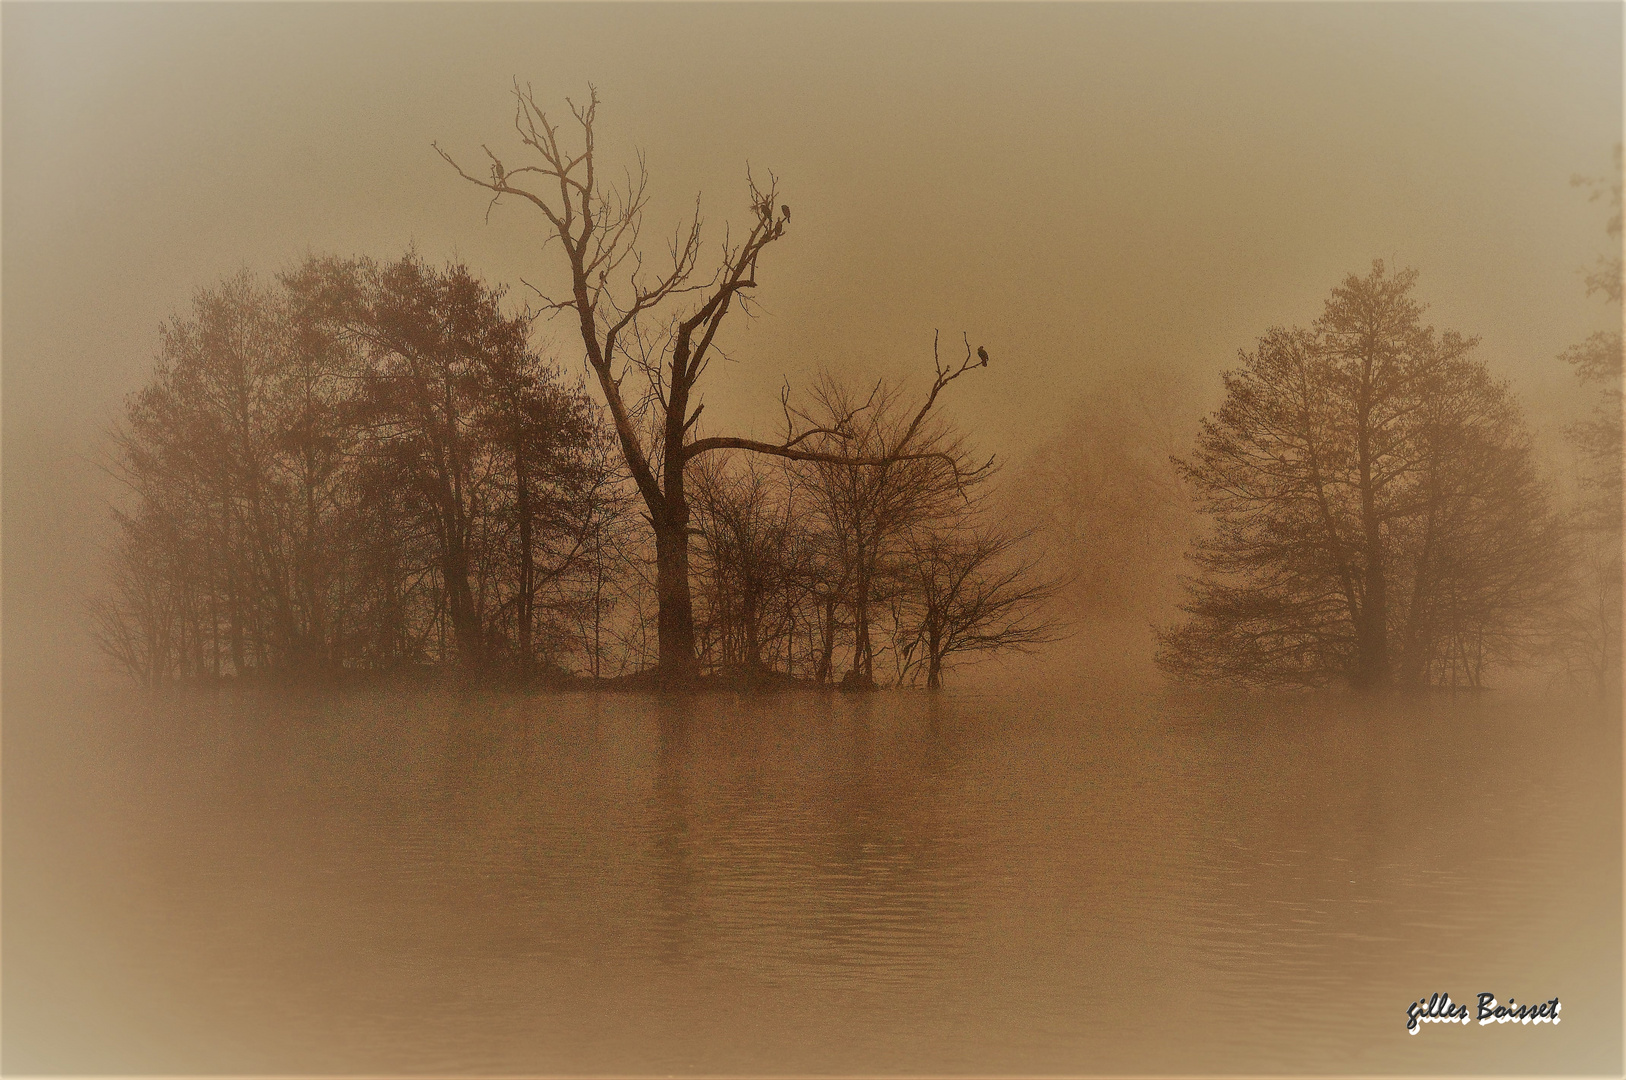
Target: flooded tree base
{"points": [[539, 678]]}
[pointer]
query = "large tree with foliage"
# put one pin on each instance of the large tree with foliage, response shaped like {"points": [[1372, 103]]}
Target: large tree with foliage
{"points": [[1377, 514]]}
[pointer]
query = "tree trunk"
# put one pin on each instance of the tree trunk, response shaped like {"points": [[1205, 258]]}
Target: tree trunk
{"points": [[1417, 646], [828, 640], [598, 596], [674, 621], [753, 641], [862, 668], [527, 564], [460, 601], [1372, 630], [861, 663]]}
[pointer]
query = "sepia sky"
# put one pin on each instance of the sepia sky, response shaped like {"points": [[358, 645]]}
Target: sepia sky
{"points": [[1085, 189]]}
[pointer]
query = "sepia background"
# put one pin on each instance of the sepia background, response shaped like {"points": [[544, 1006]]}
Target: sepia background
{"points": [[1113, 199]]}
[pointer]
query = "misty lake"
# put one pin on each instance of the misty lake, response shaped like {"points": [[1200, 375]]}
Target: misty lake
{"points": [[1074, 882]]}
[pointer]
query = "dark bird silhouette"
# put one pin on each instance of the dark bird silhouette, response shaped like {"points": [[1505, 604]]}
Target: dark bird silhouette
{"points": [[786, 211], [983, 353]]}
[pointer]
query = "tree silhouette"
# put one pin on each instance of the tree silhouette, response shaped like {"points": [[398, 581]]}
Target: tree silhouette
{"points": [[663, 325], [967, 593], [1377, 513], [1590, 629], [868, 511], [363, 465]]}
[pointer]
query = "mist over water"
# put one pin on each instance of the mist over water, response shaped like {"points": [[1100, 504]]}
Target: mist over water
{"points": [[404, 881], [1213, 275]]}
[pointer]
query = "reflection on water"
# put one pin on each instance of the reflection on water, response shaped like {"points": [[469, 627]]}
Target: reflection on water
{"points": [[434, 882]]}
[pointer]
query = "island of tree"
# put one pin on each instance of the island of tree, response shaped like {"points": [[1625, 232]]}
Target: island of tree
{"points": [[367, 466]]}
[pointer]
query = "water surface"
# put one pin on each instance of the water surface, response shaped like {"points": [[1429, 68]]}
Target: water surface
{"points": [[1073, 882]]}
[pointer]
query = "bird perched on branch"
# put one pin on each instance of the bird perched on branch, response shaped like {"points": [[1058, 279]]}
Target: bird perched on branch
{"points": [[785, 210], [983, 354]]}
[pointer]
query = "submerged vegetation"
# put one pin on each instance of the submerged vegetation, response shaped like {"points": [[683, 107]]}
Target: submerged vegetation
{"points": [[368, 466]]}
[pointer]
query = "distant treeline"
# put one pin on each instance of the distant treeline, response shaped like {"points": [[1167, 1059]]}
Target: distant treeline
{"points": [[366, 466]]}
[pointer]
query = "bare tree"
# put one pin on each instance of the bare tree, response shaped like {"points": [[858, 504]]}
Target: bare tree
{"points": [[605, 570], [137, 620], [868, 510], [966, 592], [750, 560], [662, 324], [228, 453]]}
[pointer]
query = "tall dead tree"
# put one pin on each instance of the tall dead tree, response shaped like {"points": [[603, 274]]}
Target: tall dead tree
{"points": [[662, 325]]}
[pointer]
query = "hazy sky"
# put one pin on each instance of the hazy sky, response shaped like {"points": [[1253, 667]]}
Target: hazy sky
{"points": [[1083, 189]]}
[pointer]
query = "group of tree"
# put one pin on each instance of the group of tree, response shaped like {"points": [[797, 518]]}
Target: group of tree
{"points": [[898, 562], [362, 464], [368, 466], [660, 327], [1378, 514]]}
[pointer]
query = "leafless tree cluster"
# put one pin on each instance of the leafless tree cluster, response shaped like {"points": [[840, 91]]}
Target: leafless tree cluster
{"points": [[963, 590], [363, 465], [1378, 515], [658, 322], [804, 565]]}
